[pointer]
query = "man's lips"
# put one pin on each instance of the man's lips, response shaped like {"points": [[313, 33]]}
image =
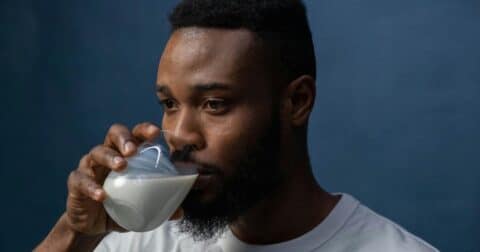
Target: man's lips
{"points": [[205, 174], [202, 170], [203, 180], [198, 167]]}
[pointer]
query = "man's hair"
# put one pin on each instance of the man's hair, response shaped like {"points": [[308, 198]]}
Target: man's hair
{"points": [[281, 26]]}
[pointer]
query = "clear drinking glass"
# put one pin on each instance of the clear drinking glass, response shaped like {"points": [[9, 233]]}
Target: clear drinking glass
{"points": [[150, 189]]}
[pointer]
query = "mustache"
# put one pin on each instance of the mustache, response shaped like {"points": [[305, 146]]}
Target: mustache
{"points": [[182, 155], [185, 156]]}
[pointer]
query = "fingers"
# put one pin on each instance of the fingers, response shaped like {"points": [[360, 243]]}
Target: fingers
{"points": [[107, 157], [80, 185], [120, 138], [146, 131], [85, 165], [119, 143]]}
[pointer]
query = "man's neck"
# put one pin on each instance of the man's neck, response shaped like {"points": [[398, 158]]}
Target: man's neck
{"points": [[296, 208]]}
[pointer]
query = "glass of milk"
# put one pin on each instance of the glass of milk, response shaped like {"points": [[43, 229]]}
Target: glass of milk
{"points": [[149, 190]]}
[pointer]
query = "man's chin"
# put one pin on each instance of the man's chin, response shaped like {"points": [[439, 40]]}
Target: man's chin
{"points": [[202, 229], [200, 220]]}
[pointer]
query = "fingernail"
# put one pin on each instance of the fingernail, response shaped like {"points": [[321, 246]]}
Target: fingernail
{"points": [[117, 160], [97, 193], [152, 129], [129, 147]]}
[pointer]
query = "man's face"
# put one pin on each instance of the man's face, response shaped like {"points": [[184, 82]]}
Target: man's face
{"points": [[219, 104]]}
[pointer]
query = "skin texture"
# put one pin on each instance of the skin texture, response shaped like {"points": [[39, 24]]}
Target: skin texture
{"points": [[217, 93]]}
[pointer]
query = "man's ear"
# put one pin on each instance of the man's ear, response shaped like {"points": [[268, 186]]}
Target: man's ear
{"points": [[300, 97]]}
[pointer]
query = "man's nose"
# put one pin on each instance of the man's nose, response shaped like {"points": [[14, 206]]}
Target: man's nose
{"points": [[185, 132]]}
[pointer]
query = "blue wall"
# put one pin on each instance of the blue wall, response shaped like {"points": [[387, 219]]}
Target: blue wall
{"points": [[396, 122]]}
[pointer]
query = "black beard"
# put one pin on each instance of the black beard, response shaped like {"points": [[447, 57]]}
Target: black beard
{"points": [[257, 176]]}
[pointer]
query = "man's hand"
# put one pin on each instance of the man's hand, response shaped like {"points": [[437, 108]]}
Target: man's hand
{"points": [[85, 221], [85, 212]]}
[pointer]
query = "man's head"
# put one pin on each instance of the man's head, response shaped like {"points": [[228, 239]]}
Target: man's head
{"points": [[237, 83]]}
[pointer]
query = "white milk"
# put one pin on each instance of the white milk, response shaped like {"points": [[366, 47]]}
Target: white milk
{"points": [[142, 204]]}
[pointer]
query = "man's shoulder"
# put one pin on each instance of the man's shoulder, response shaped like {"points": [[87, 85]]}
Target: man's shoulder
{"points": [[366, 230]]}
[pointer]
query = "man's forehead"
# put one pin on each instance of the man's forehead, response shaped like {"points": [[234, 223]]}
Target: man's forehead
{"points": [[218, 54], [200, 44], [213, 36]]}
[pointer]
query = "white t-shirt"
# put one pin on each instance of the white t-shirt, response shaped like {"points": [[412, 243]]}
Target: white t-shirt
{"points": [[350, 226]]}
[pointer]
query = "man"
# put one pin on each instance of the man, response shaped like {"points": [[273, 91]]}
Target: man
{"points": [[237, 85]]}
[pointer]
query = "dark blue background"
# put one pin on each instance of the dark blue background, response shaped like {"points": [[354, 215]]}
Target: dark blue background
{"points": [[395, 124]]}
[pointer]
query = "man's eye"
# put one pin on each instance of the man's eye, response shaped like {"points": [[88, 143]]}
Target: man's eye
{"points": [[168, 103], [215, 105]]}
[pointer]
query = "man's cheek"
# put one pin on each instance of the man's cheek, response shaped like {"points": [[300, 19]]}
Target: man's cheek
{"points": [[218, 126], [239, 122]]}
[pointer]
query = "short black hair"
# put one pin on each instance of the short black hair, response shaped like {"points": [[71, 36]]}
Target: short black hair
{"points": [[281, 25]]}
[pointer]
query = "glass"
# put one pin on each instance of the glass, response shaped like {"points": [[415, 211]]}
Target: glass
{"points": [[150, 189]]}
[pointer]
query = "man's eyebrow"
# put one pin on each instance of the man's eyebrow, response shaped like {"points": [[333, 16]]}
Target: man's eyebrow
{"points": [[204, 87], [200, 87], [163, 89]]}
